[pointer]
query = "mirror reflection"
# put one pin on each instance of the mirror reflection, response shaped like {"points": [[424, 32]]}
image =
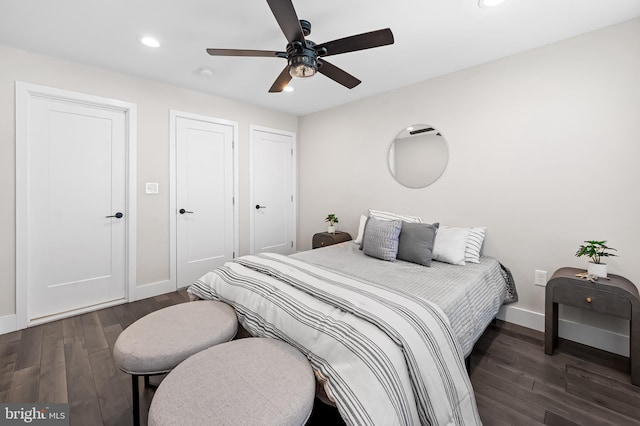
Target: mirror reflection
{"points": [[418, 156]]}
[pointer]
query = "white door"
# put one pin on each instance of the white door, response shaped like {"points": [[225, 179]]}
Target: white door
{"points": [[204, 196], [272, 191], [76, 206]]}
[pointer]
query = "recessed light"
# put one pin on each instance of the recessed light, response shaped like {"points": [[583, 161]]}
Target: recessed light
{"points": [[150, 42], [489, 3], [289, 89]]}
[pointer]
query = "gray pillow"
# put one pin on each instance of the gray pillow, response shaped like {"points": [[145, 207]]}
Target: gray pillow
{"points": [[416, 242], [380, 238]]}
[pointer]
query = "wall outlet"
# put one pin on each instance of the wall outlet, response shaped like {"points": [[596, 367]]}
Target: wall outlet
{"points": [[540, 278]]}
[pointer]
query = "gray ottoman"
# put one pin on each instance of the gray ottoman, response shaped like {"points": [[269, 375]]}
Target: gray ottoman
{"points": [[157, 342], [252, 381]]}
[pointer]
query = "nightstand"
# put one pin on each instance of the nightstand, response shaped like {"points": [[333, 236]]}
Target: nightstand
{"points": [[616, 296], [323, 239]]}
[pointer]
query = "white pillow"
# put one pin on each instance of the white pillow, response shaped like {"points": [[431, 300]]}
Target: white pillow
{"points": [[379, 214], [450, 245], [363, 222], [474, 244]]}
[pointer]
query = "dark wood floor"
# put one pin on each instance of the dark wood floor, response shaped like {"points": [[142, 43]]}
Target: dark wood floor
{"points": [[514, 381]]}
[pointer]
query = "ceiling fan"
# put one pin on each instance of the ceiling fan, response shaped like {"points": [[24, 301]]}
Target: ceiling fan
{"points": [[304, 57]]}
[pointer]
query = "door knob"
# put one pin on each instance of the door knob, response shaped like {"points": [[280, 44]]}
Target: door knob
{"points": [[117, 215], [183, 211], [258, 207]]}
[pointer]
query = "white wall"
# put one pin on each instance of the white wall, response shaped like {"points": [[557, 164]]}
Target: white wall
{"points": [[154, 100], [544, 151]]}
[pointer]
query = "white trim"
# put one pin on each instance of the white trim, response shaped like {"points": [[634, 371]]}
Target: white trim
{"points": [[8, 323], [24, 92], [132, 197], [294, 184], [75, 312], [173, 187], [154, 289], [521, 316], [587, 335], [593, 336]]}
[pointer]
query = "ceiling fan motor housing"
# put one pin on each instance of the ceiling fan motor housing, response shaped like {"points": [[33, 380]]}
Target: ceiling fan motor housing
{"points": [[306, 27]]}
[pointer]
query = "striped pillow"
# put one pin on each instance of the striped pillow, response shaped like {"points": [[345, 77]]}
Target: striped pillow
{"points": [[381, 238], [379, 214], [474, 244]]}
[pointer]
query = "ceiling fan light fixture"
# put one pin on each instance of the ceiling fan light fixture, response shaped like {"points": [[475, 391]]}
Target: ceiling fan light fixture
{"points": [[302, 66], [489, 3]]}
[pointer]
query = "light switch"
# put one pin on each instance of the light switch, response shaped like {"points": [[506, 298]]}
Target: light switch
{"points": [[151, 188]]}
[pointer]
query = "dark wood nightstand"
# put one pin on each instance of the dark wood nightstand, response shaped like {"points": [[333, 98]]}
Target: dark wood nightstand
{"points": [[616, 296], [323, 239]]}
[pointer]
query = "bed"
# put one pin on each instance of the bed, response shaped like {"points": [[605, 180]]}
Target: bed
{"points": [[387, 340]]}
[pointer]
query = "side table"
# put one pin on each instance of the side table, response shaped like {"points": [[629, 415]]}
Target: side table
{"points": [[616, 296], [323, 239]]}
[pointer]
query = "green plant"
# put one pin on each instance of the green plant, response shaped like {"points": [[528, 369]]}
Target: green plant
{"points": [[332, 218], [595, 250]]}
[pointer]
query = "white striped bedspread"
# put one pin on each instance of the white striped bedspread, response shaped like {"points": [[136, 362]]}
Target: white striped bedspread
{"points": [[390, 359]]}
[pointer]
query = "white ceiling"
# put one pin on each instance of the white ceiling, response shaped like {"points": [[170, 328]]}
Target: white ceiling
{"points": [[432, 38]]}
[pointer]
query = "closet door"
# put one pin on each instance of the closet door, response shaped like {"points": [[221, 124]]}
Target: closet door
{"points": [[272, 191], [204, 196], [76, 209]]}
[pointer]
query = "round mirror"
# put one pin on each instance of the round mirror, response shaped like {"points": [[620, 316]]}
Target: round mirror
{"points": [[418, 156]]}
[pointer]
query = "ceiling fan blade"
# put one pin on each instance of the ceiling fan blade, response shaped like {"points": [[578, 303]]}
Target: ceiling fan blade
{"points": [[246, 52], [337, 74], [357, 42], [281, 82], [287, 18]]}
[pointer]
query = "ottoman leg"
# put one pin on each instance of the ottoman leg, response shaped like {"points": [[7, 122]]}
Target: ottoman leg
{"points": [[135, 396], [146, 382]]}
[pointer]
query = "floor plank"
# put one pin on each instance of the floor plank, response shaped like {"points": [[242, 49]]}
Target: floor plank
{"points": [[8, 354], [25, 385], [93, 333], [110, 388], [29, 348], [84, 408]]}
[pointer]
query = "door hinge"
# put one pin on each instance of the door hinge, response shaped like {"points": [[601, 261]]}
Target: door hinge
{"points": [[291, 244], [233, 144], [292, 152], [292, 198], [233, 201], [234, 255]]}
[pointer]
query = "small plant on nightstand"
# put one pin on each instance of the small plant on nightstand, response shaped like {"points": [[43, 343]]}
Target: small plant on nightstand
{"points": [[596, 250], [332, 219]]}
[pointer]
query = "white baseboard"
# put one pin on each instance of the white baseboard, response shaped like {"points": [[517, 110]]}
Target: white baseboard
{"points": [[8, 323], [153, 289], [585, 334]]}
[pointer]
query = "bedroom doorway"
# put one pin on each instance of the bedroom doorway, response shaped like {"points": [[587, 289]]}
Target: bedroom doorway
{"points": [[74, 209], [272, 191], [203, 207]]}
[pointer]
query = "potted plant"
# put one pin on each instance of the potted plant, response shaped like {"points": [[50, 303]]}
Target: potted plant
{"points": [[596, 250], [332, 219]]}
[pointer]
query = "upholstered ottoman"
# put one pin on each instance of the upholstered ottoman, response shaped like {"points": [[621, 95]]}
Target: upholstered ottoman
{"points": [[157, 342], [252, 381]]}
